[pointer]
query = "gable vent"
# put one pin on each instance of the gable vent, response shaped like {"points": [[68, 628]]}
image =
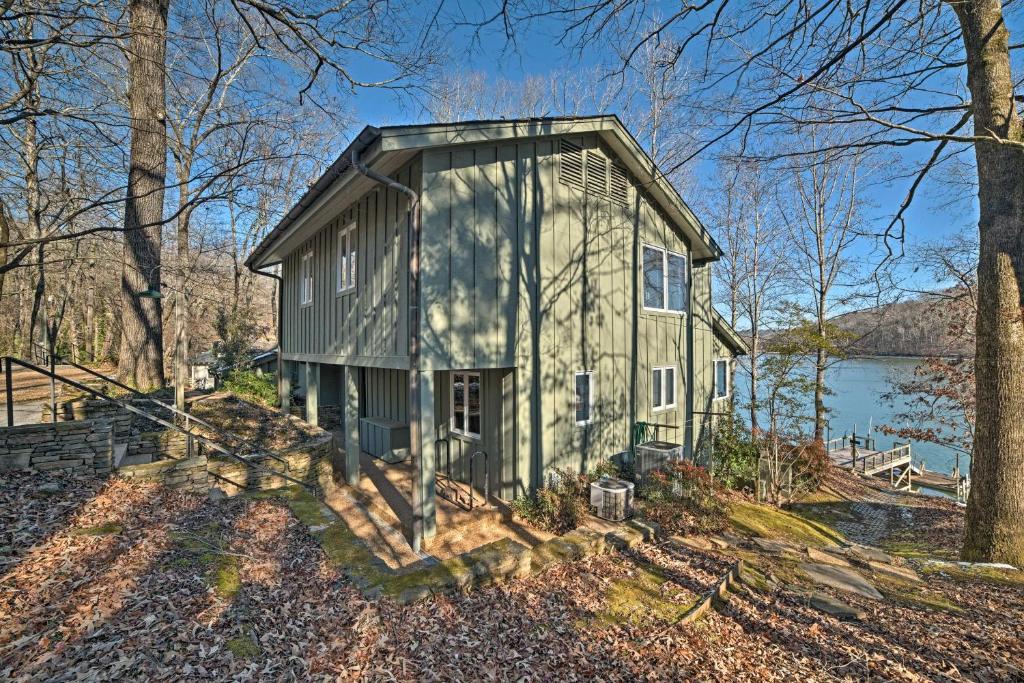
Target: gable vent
{"points": [[597, 173], [571, 171], [619, 189]]}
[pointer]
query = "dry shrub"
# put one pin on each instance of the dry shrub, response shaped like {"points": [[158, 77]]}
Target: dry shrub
{"points": [[682, 498]]}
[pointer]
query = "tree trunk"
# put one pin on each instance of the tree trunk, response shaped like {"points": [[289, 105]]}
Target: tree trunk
{"points": [[994, 530], [820, 361], [755, 342], [141, 359]]}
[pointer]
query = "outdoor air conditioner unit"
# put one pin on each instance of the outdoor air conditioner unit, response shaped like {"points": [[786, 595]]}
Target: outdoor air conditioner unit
{"points": [[655, 455], [612, 498]]}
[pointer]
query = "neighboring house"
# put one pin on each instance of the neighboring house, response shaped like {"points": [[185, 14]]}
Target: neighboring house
{"points": [[201, 367], [564, 294]]}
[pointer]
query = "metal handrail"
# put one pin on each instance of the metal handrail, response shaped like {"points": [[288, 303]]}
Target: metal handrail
{"points": [[487, 476], [202, 440], [447, 458], [189, 417]]}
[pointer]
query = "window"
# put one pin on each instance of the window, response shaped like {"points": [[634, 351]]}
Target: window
{"points": [[663, 388], [584, 397], [345, 266], [306, 279], [721, 378], [664, 280], [466, 404]]}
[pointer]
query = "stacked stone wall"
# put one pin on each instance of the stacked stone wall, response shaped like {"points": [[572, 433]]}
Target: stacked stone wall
{"points": [[80, 447]]}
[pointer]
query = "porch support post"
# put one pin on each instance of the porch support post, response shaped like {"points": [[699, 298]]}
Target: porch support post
{"points": [[350, 422], [313, 393], [424, 497], [284, 385]]}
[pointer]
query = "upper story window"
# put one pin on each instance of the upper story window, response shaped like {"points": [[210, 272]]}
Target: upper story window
{"points": [[306, 279], [722, 387], [663, 388], [584, 397], [466, 404], [345, 259], [664, 280]]}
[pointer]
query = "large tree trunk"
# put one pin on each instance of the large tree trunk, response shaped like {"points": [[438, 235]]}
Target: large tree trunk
{"points": [[995, 511], [141, 359]]}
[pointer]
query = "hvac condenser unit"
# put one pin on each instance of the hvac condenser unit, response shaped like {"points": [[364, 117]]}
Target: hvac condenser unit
{"points": [[655, 455], [612, 499]]}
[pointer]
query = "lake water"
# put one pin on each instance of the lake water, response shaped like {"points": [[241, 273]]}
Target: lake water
{"points": [[857, 404]]}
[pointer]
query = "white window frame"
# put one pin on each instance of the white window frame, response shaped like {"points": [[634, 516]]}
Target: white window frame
{"points": [[346, 260], [306, 279], [590, 385], [665, 253], [465, 432], [663, 406], [714, 380]]}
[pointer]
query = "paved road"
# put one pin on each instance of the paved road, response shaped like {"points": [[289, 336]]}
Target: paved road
{"points": [[24, 413]]}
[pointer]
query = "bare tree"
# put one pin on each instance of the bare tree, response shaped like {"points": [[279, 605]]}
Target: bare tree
{"points": [[754, 268]]}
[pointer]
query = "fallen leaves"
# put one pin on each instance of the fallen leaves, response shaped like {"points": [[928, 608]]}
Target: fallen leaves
{"points": [[142, 601]]}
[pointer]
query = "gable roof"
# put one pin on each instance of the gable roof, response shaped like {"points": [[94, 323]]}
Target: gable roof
{"points": [[387, 148], [728, 335]]}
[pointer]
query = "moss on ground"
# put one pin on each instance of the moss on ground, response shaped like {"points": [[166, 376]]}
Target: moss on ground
{"points": [[104, 529], [642, 596], [771, 522], [206, 549], [243, 647], [913, 549], [913, 595], [975, 574]]}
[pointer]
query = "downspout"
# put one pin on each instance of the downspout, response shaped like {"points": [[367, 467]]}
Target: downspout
{"points": [[280, 321], [415, 428]]}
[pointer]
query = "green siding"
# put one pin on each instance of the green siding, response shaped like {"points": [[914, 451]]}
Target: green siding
{"points": [[368, 326]]}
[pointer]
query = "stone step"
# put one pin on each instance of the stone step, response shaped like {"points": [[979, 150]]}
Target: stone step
{"points": [[120, 450], [140, 459]]}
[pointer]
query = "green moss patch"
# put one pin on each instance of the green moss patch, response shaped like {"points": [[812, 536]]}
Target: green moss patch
{"points": [[243, 647], [770, 522], [206, 550], [916, 549], [975, 574], [913, 595], [647, 594]]}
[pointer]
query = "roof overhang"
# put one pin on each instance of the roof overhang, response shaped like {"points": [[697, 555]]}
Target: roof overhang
{"points": [[387, 149], [728, 335]]}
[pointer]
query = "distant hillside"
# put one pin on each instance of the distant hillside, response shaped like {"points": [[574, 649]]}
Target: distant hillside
{"points": [[917, 327]]}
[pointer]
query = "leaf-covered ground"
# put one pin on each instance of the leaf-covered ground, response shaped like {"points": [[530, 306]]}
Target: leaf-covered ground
{"points": [[106, 580]]}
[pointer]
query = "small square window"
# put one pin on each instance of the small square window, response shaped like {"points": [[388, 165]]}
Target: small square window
{"points": [[721, 378], [345, 259], [584, 403], [466, 415], [306, 279], [663, 388]]}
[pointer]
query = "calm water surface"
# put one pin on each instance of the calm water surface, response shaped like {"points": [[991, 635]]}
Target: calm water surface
{"points": [[857, 403]]}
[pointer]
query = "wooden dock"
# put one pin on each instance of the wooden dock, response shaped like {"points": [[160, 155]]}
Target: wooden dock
{"points": [[897, 461]]}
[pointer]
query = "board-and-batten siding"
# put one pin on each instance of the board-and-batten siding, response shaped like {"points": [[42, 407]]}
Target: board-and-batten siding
{"points": [[703, 356], [370, 325]]}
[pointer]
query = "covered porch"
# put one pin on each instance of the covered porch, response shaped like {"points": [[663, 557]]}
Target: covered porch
{"points": [[367, 410]]}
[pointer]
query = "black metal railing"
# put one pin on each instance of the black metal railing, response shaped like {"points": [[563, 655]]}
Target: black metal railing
{"points": [[192, 439]]}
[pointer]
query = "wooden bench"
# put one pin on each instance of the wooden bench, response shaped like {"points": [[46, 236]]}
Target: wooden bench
{"points": [[384, 438]]}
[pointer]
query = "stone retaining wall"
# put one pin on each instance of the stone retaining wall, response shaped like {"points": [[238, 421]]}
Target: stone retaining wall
{"points": [[309, 462], [185, 475], [80, 447], [162, 445]]}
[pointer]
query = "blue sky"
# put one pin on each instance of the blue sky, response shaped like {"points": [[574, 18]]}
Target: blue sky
{"points": [[940, 208]]}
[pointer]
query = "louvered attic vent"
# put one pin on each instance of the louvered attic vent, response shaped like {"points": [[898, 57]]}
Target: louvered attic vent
{"points": [[571, 171], [597, 173], [619, 189]]}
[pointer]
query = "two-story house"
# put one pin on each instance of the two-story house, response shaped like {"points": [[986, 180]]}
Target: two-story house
{"points": [[529, 290]]}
